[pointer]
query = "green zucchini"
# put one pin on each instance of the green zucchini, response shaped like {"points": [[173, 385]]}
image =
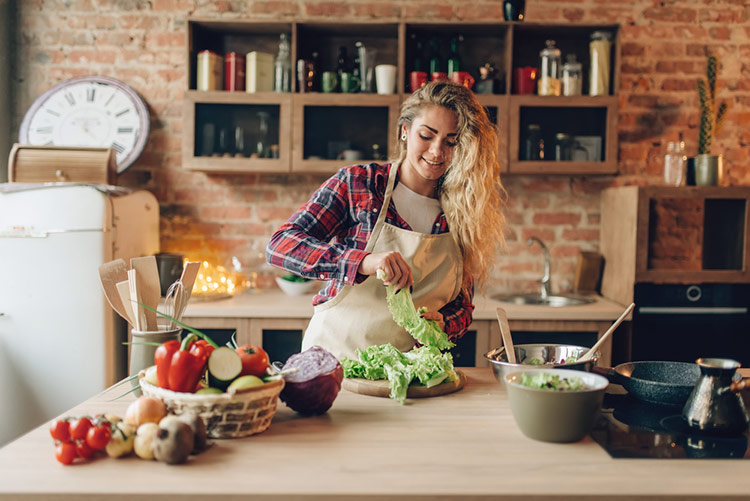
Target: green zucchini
{"points": [[224, 366]]}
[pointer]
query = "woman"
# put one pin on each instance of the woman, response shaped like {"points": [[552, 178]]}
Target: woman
{"points": [[430, 220]]}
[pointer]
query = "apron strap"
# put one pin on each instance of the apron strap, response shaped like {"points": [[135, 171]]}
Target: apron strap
{"points": [[383, 210]]}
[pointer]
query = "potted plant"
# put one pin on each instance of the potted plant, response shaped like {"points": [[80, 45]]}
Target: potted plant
{"points": [[708, 167]]}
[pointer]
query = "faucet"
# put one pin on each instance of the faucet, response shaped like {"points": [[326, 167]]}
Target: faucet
{"points": [[545, 292]]}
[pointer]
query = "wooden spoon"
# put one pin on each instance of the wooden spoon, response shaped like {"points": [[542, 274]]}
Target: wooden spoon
{"points": [[149, 289], [606, 335], [110, 274], [510, 351]]}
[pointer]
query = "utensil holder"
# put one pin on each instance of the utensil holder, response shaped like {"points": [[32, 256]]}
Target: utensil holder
{"points": [[141, 354]]}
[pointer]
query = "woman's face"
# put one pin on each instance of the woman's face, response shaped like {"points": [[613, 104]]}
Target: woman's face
{"points": [[430, 142]]}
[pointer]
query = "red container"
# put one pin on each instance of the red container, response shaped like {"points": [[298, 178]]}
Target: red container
{"points": [[234, 72], [524, 80]]}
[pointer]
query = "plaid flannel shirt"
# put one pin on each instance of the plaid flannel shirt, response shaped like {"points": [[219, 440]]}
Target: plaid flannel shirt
{"points": [[325, 239]]}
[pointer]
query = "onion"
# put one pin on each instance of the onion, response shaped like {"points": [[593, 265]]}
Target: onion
{"points": [[145, 410]]}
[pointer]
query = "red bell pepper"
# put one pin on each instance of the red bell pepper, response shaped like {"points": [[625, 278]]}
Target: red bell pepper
{"points": [[163, 359], [187, 365]]}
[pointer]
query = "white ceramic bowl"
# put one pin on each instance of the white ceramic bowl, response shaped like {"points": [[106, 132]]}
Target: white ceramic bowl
{"points": [[556, 416], [295, 288]]}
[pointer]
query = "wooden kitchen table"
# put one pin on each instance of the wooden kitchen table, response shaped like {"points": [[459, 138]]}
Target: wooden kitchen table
{"points": [[462, 445]]}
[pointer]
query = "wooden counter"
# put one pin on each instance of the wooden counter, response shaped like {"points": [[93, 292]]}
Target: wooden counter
{"points": [[463, 445], [250, 314]]}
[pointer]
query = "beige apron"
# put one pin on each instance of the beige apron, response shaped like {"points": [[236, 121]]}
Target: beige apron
{"points": [[358, 315]]}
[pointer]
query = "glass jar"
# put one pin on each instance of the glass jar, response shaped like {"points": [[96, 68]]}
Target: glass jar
{"points": [[599, 47], [572, 76], [674, 163], [549, 74], [533, 144], [563, 147]]}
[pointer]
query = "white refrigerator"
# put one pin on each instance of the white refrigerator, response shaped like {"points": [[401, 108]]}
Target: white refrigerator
{"points": [[60, 341]]}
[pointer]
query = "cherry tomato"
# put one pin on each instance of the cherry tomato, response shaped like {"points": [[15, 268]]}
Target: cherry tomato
{"points": [[79, 428], [65, 452], [254, 360], [98, 437], [60, 430], [83, 449]]}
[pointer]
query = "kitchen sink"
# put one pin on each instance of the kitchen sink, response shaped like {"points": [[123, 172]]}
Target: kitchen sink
{"points": [[551, 300]]}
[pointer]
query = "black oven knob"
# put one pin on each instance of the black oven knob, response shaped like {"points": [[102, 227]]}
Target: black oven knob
{"points": [[693, 293]]}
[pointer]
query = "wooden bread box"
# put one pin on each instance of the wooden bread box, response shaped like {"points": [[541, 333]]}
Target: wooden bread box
{"points": [[47, 164]]}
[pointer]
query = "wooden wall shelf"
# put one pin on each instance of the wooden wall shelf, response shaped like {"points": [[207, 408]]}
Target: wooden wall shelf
{"points": [[298, 117]]}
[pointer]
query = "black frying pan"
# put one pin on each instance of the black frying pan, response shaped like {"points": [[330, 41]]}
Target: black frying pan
{"points": [[665, 383]]}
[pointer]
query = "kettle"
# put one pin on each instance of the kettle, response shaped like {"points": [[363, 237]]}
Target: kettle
{"points": [[715, 406]]}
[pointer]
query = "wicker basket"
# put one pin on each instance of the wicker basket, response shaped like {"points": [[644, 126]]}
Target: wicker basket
{"points": [[227, 415]]}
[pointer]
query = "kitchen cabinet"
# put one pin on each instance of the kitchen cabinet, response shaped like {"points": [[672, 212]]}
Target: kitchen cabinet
{"points": [[276, 322], [673, 235], [311, 129]]}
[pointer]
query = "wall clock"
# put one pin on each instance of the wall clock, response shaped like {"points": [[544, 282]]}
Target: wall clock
{"points": [[93, 111]]}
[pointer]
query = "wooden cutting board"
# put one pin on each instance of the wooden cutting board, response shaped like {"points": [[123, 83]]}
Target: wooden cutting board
{"points": [[380, 388]]}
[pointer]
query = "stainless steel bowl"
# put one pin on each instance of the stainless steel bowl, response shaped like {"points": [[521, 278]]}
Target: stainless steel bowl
{"points": [[551, 356]]}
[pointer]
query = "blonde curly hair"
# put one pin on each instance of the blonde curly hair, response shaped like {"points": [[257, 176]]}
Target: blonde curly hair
{"points": [[470, 191]]}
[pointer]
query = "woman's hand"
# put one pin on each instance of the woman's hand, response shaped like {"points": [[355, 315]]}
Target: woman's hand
{"points": [[397, 270], [436, 316]]}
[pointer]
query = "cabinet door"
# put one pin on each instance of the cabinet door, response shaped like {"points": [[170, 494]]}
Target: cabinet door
{"points": [[325, 125], [237, 132]]}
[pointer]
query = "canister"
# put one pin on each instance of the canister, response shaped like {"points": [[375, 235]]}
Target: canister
{"points": [[599, 48], [209, 71], [572, 76]]}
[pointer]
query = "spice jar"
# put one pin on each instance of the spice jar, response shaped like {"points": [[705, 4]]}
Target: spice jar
{"points": [[599, 48], [533, 144], [563, 146], [572, 76], [549, 76]]}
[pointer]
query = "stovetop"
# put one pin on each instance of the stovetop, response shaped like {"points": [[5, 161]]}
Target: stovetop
{"points": [[629, 428]]}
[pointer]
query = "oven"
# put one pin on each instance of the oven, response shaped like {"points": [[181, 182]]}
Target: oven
{"points": [[685, 322]]}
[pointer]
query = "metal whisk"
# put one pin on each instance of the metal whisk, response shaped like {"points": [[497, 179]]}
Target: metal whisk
{"points": [[175, 302]]}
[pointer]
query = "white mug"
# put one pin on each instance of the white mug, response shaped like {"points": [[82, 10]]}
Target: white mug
{"points": [[350, 155], [385, 78]]}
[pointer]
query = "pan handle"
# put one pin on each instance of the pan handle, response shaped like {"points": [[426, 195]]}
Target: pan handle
{"points": [[607, 372], [736, 386]]}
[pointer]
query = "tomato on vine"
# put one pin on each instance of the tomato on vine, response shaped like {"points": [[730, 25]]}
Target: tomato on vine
{"points": [[98, 436], [60, 430], [79, 428], [65, 452]]}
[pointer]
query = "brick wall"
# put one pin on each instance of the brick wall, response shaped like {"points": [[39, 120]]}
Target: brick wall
{"points": [[664, 47]]}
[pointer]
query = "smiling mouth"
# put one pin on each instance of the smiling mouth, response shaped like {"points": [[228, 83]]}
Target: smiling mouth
{"points": [[431, 162]]}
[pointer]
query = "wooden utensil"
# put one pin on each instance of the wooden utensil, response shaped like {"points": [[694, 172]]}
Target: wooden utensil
{"points": [[606, 335], [123, 288], [139, 319], [149, 290], [189, 272], [502, 319], [110, 273]]}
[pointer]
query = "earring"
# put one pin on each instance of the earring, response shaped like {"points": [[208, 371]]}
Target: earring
{"points": [[403, 137]]}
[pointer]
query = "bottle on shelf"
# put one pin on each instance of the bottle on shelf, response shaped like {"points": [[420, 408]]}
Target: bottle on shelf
{"points": [[674, 163], [261, 146], [436, 65], [341, 63], [454, 60], [549, 74], [282, 75]]}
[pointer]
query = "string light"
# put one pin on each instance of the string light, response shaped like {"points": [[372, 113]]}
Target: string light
{"points": [[215, 281]]}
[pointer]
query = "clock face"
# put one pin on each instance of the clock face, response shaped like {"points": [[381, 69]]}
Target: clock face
{"points": [[89, 111]]}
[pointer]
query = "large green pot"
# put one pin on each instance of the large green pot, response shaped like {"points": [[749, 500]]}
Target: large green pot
{"points": [[709, 170]]}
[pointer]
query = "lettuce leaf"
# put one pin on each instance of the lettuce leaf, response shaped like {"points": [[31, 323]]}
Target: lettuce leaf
{"points": [[426, 364], [405, 314]]}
